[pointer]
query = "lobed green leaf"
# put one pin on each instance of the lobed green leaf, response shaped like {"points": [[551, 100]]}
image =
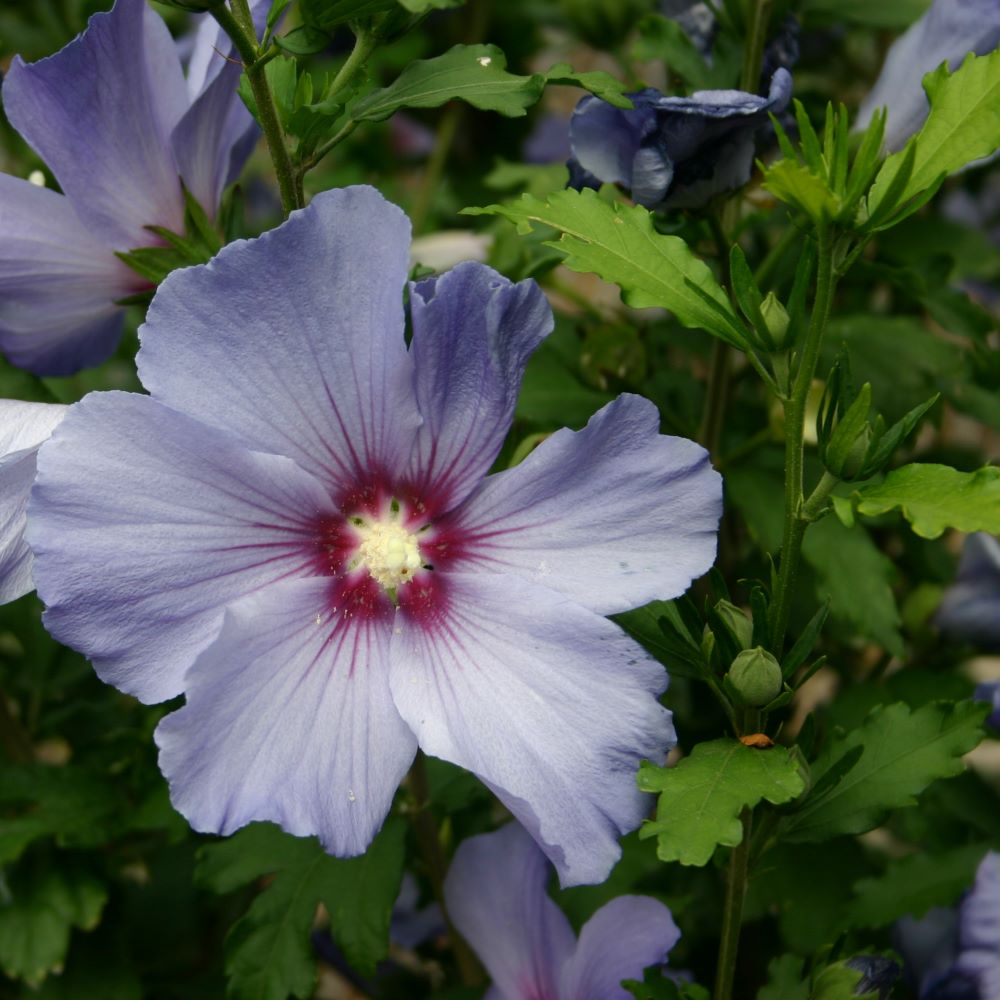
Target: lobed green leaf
{"points": [[901, 753], [618, 243], [701, 797]]}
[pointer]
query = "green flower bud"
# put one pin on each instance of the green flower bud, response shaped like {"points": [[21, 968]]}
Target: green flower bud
{"points": [[755, 676], [737, 622], [776, 319]]}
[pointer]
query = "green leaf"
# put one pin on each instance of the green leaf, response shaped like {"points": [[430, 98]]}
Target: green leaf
{"points": [[702, 796], [910, 886], [795, 184], [884, 14], [268, 950], [38, 911], [599, 83], [651, 626], [327, 14], [359, 894], [472, 73], [785, 980], [853, 575], [73, 804], [838, 982], [664, 40], [935, 497], [423, 6], [618, 243], [902, 752], [963, 125]]}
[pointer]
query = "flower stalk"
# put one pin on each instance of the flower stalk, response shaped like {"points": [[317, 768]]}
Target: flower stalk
{"points": [[797, 512], [238, 25]]}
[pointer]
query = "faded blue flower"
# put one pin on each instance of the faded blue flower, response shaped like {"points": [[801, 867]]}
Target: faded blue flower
{"points": [[947, 33], [495, 895], [295, 529], [955, 954], [672, 152], [23, 429], [970, 608], [120, 127]]}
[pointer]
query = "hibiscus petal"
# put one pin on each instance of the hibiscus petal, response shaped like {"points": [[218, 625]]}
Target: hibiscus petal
{"points": [[289, 719], [473, 331], [979, 929], [947, 32], [99, 112], [495, 895], [605, 139], [294, 341], [621, 939], [146, 524], [970, 608], [612, 516], [57, 285], [23, 428], [214, 138], [549, 704]]}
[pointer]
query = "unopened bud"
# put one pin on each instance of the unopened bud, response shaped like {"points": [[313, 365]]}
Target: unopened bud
{"points": [[737, 622], [776, 319], [755, 676]]}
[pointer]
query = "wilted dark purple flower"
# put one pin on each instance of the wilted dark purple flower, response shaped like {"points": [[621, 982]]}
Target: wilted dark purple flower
{"points": [[947, 33], [672, 152], [970, 608], [23, 428], [495, 894], [955, 954], [296, 530], [120, 126], [879, 974]]}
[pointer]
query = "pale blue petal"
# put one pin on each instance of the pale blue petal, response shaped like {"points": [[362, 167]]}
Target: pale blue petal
{"points": [[100, 112], [621, 939], [146, 524], [473, 331], [612, 516], [552, 706], [294, 341], [947, 33], [495, 895], [288, 718], [57, 284], [23, 429]]}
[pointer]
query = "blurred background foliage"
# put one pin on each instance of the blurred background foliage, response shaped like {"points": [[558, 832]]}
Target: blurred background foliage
{"points": [[118, 899]]}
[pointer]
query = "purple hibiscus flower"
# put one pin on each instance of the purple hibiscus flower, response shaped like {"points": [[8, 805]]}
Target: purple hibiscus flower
{"points": [[23, 428], [970, 608], [295, 530], [672, 152], [955, 954], [495, 894], [948, 32], [121, 128]]}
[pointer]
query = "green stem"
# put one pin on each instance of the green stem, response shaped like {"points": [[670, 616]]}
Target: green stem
{"points": [[443, 139], [736, 888], [365, 43], [425, 830], [238, 25], [732, 915], [753, 51], [795, 521]]}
